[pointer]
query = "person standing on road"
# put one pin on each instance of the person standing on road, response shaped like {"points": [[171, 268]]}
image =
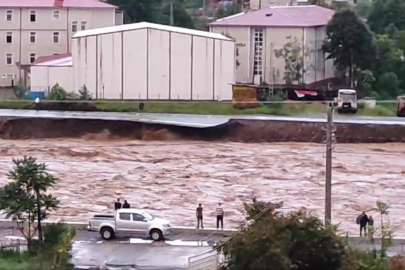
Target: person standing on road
{"points": [[126, 204], [117, 205], [370, 226], [362, 220], [37, 100], [199, 214], [220, 216]]}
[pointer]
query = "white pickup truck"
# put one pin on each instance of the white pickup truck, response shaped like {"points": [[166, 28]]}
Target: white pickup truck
{"points": [[130, 221]]}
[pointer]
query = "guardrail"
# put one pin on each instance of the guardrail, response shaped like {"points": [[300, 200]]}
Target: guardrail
{"points": [[205, 261]]}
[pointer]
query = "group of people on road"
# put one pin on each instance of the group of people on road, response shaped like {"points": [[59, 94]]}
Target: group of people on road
{"points": [[366, 224], [219, 211], [118, 205]]}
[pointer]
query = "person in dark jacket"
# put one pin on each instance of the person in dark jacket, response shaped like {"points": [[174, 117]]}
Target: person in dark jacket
{"points": [[199, 215], [363, 224], [126, 205], [117, 205]]}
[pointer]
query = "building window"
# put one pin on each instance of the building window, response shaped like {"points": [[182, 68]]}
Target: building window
{"points": [[74, 27], [9, 15], [8, 77], [56, 14], [258, 56], [83, 26], [33, 37], [33, 56], [9, 59], [55, 37], [9, 37], [33, 16]]}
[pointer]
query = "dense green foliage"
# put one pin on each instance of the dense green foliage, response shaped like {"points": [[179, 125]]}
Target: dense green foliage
{"points": [[27, 201], [349, 42], [53, 254], [372, 42], [155, 11], [25, 198], [300, 241], [275, 242]]}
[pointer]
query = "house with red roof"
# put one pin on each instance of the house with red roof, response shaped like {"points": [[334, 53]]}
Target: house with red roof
{"points": [[265, 38], [30, 29]]}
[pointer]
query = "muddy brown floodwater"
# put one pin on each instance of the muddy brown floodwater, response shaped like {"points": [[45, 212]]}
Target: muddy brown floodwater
{"points": [[171, 178]]}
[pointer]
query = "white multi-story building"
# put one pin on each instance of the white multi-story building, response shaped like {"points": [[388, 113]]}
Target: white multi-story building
{"points": [[261, 35], [33, 28]]}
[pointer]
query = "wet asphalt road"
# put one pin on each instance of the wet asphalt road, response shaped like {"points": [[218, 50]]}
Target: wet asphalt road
{"points": [[90, 250]]}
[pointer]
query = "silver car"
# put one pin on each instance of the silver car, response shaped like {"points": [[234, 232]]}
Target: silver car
{"points": [[130, 221]]}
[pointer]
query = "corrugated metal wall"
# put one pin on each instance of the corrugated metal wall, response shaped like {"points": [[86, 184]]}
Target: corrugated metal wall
{"points": [[154, 64]]}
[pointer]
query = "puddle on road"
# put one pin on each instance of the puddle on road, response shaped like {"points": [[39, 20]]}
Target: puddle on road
{"points": [[171, 178], [188, 243]]}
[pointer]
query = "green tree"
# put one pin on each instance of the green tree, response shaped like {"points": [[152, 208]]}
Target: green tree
{"points": [[363, 8], [293, 60], [20, 91], [139, 10], [386, 12], [349, 43], [25, 198], [84, 93], [227, 10], [275, 242], [181, 17], [388, 86]]}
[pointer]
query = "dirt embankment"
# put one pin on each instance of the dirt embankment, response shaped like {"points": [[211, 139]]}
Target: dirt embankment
{"points": [[235, 130]]}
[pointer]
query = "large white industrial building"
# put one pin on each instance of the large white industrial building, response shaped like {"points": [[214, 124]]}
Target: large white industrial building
{"points": [[147, 61]]}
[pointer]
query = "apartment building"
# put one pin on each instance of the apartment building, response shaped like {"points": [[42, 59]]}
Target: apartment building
{"points": [[261, 35], [33, 28]]}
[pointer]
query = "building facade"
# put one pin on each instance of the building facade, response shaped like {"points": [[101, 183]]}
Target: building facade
{"points": [[143, 61], [263, 36], [33, 28]]}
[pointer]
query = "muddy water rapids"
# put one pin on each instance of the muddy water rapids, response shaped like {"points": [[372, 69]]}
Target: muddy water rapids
{"points": [[171, 178]]}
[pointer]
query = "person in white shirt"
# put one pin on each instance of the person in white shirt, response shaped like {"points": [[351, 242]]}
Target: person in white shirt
{"points": [[220, 216], [37, 103]]}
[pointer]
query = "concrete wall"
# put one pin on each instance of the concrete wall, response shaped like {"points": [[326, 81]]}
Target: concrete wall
{"points": [[44, 78], [154, 64], [44, 27], [309, 39]]}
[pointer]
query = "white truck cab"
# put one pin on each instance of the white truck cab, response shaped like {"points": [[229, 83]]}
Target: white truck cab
{"points": [[347, 101], [130, 221]]}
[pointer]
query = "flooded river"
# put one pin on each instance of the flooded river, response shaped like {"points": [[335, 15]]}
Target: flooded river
{"points": [[171, 178]]}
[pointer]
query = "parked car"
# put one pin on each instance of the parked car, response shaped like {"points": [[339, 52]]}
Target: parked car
{"points": [[130, 221]]}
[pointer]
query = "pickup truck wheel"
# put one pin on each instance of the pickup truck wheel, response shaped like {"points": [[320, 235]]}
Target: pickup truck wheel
{"points": [[156, 235], [107, 233]]}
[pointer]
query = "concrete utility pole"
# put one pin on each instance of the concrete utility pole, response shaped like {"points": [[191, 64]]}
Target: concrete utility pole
{"points": [[329, 149], [204, 7], [171, 14]]}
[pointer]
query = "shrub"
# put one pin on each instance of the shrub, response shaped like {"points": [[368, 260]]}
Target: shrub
{"points": [[58, 93], [20, 91], [84, 93], [53, 253]]}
